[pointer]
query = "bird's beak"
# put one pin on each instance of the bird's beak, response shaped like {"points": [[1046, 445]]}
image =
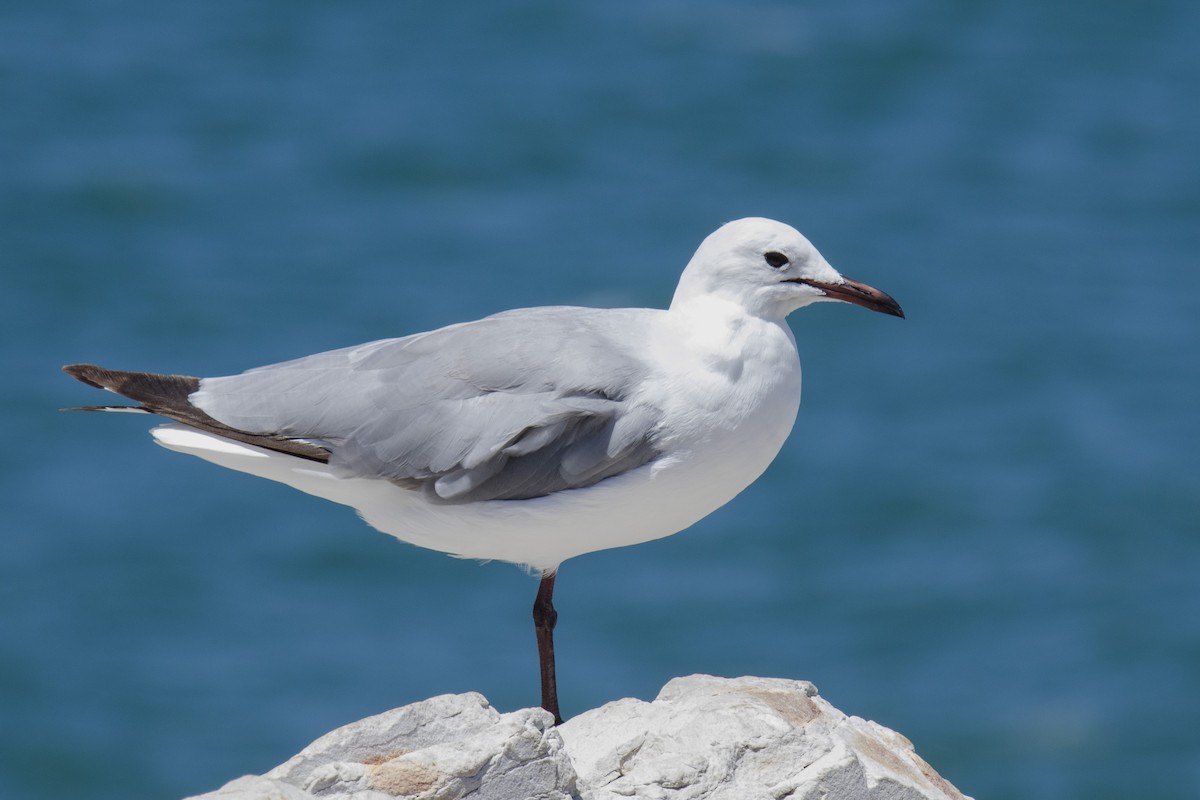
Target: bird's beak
{"points": [[859, 294]]}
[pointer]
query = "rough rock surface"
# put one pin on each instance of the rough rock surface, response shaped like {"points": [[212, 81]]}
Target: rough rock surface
{"points": [[701, 738], [439, 749], [718, 739]]}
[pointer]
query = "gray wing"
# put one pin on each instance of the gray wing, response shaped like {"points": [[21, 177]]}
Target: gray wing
{"points": [[518, 405]]}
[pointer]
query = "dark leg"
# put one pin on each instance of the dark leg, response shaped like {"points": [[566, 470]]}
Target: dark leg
{"points": [[544, 617]]}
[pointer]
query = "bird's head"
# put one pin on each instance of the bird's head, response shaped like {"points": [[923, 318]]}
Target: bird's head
{"points": [[771, 270]]}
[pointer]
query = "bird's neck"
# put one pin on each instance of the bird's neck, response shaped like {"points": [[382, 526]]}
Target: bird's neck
{"points": [[721, 332], [698, 298]]}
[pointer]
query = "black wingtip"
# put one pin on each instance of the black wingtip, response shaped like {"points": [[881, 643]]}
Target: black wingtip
{"points": [[85, 372], [168, 396], [153, 390]]}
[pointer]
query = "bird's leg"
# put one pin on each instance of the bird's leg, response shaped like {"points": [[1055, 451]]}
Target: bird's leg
{"points": [[544, 617]]}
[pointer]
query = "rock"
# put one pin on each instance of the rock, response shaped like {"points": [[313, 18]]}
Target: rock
{"points": [[443, 748], [727, 739], [702, 738]]}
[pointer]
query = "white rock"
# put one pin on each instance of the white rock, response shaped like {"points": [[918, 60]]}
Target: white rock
{"points": [[702, 738], [721, 739], [255, 787], [444, 748]]}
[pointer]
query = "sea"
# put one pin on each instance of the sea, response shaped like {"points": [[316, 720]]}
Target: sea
{"points": [[984, 531]]}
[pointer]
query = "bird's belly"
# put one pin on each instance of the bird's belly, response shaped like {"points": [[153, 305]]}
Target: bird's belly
{"points": [[650, 502]]}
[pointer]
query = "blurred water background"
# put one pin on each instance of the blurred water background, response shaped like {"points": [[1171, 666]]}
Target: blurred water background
{"points": [[984, 531]]}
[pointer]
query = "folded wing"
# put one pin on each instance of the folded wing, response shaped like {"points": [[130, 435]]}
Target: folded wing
{"points": [[513, 406]]}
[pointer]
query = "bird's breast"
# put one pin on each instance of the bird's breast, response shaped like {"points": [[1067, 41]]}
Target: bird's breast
{"points": [[729, 400]]}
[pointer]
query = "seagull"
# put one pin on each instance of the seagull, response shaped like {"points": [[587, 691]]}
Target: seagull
{"points": [[535, 435]]}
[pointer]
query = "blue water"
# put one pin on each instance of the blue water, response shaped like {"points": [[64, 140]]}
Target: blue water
{"points": [[984, 531]]}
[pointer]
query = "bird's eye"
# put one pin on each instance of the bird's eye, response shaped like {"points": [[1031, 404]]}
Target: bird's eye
{"points": [[775, 259]]}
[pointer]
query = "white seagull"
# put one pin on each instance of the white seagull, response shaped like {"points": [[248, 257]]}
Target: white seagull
{"points": [[534, 435]]}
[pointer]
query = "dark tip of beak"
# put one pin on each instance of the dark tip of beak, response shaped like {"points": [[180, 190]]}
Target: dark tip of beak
{"points": [[860, 294]]}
